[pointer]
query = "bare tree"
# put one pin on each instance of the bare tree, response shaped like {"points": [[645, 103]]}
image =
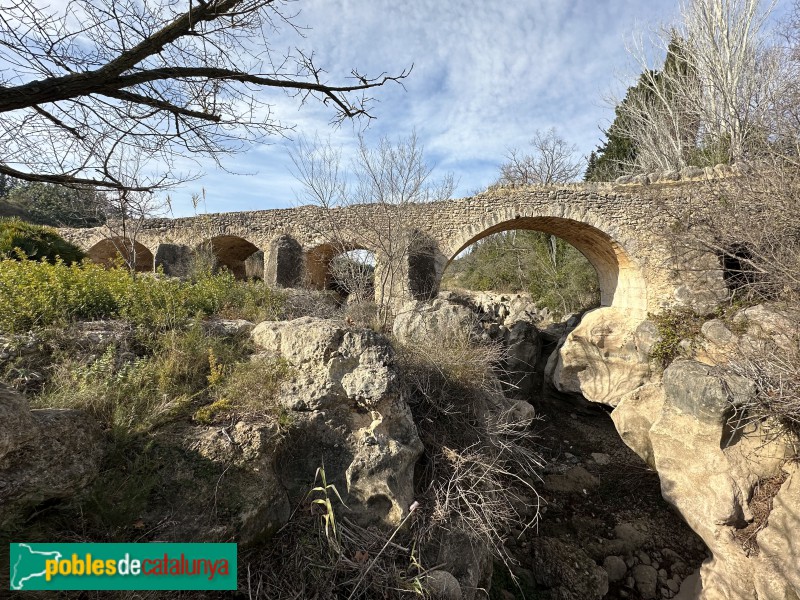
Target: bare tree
{"points": [[551, 160], [713, 101], [392, 178], [163, 79]]}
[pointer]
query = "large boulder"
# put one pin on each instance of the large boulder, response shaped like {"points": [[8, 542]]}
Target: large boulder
{"points": [[44, 454], [347, 415], [778, 543], [708, 470], [603, 358], [522, 348], [439, 320]]}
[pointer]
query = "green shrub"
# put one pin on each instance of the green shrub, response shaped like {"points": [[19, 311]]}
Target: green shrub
{"points": [[673, 326], [19, 239], [557, 276], [37, 294], [137, 393]]}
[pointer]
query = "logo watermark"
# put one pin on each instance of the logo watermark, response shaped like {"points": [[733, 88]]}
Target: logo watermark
{"points": [[91, 566]]}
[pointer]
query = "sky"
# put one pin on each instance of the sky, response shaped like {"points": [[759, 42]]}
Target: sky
{"points": [[486, 75]]}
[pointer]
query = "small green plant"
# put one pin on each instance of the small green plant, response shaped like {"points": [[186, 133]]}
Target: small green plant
{"points": [[325, 491], [205, 415], [673, 326], [21, 240], [247, 387]]}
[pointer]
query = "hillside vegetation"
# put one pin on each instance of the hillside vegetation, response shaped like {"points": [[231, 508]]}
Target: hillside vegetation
{"points": [[556, 275]]}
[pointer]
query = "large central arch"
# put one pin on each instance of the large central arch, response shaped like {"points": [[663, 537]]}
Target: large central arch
{"points": [[621, 282]]}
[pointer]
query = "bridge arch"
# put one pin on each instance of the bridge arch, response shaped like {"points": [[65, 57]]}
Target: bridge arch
{"points": [[622, 284], [319, 261], [108, 251], [233, 252]]}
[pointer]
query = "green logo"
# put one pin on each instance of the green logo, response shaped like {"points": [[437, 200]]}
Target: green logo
{"points": [[123, 566]]}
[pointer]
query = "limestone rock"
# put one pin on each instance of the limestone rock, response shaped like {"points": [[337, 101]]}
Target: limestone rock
{"points": [[347, 414], [230, 327], [256, 500], [523, 346], [615, 567], [779, 552], [57, 455], [632, 537], [436, 320], [600, 358], [468, 561], [502, 308], [697, 390], [646, 578], [768, 324], [441, 585], [333, 363], [708, 474], [635, 414]]}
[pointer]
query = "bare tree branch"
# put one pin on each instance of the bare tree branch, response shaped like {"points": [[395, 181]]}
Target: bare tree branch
{"points": [[166, 79]]}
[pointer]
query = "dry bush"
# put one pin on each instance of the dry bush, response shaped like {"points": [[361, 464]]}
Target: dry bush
{"points": [[303, 562], [480, 461], [775, 371]]}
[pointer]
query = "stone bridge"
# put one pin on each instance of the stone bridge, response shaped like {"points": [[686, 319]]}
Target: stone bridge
{"points": [[623, 229]]}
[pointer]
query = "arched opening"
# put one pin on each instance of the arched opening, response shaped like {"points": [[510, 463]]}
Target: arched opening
{"points": [[619, 281], [111, 251], [345, 269], [240, 257], [555, 274]]}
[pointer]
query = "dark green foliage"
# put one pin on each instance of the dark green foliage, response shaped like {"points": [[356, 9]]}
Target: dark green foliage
{"points": [[54, 205], [19, 239], [673, 326], [617, 156], [554, 272]]}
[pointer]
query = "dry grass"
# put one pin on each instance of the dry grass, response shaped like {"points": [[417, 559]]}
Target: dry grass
{"points": [[481, 459], [303, 561], [761, 506], [775, 371]]}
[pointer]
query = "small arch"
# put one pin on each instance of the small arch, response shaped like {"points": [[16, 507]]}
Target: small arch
{"points": [[354, 273], [108, 252], [621, 283], [239, 256]]}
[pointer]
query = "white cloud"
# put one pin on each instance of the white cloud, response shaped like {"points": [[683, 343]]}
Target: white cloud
{"points": [[486, 76]]}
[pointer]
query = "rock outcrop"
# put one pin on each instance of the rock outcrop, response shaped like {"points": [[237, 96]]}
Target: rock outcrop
{"points": [[347, 415], [604, 357], [712, 462], [44, 454]]}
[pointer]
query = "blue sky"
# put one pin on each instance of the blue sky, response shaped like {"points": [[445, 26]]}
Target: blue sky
{"points": [[486, 75]]}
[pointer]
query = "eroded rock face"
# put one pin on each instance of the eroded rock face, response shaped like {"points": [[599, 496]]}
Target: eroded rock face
{"points": [[347, 414], [685, 426], [44, 454], [437, 320], [681, 427], [603, 358], [778, 541]]}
